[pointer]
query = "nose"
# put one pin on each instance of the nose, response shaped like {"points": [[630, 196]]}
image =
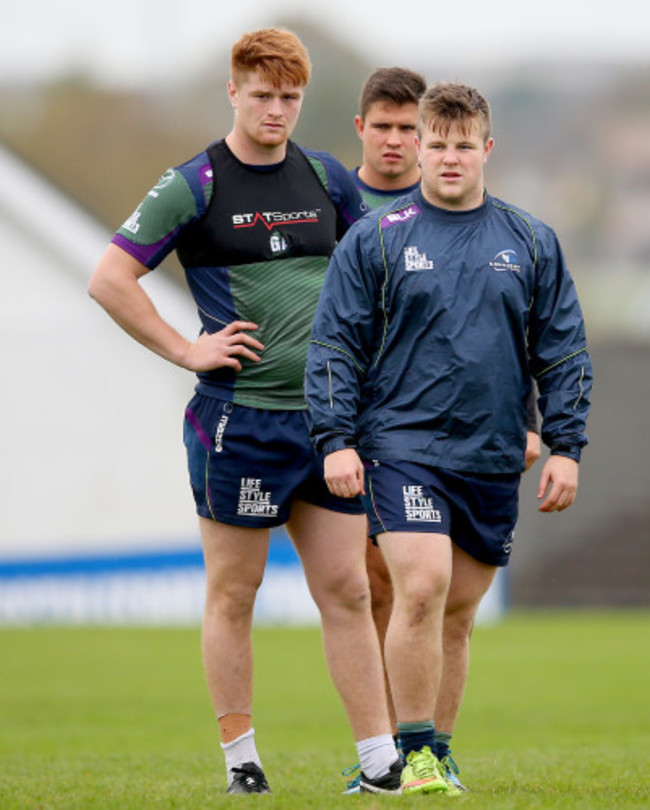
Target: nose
{"points": [[276, 107]]}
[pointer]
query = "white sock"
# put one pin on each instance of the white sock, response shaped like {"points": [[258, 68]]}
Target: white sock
{"points": [[376, 755], [240, 750]]}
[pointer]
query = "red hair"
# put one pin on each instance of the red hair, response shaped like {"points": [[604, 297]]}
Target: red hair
{"points": [[275, 54]]}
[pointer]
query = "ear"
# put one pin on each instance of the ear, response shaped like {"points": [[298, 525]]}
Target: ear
{"points": [[232, 92], [488, 148], [359, 125]]}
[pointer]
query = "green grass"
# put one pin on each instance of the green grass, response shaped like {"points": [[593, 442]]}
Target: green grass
{"points": [[556, 715]]}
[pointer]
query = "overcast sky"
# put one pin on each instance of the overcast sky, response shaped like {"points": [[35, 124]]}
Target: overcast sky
{"points": [[134, 41]]}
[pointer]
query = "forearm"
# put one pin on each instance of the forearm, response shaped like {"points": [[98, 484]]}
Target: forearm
{"points": [[115, 286]]}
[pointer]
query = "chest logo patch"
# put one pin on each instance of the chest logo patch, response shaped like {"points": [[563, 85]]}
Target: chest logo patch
{"points": [[272, 219], [278, 244], [414, 260], [506, 261]]}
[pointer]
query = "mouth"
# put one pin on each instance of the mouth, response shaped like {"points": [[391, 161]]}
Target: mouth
{"points": [[392, 156]]}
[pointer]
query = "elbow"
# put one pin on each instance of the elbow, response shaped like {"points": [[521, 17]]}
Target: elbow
{"points": [[94, 288], [91, 289], [100, 288]]}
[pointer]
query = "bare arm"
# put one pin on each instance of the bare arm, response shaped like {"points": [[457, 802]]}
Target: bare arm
{"points": [[115, 286], [558, 484]]}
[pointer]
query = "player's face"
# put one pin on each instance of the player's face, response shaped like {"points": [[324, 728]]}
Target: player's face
{"points": [[265, 115], [388, 136], [452, 165]]}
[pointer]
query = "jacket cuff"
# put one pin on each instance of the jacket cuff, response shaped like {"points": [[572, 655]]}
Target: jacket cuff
{"points": [[334, 444], [570, 451]]}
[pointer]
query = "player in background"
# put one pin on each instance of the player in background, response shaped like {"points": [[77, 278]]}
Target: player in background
{"points": [[434, 313], [254, 219], [386, 125]]}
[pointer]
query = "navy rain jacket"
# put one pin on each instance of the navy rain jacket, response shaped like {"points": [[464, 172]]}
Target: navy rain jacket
{"points": [[428, 330]]}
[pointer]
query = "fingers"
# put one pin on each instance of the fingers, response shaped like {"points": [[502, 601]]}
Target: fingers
{"points": [[226, 348], [347, 487], [558, 499], [558, 484], [344, 473], [239, 329]]}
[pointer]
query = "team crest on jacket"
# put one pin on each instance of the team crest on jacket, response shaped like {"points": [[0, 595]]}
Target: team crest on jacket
{"points": [[504, 261]]}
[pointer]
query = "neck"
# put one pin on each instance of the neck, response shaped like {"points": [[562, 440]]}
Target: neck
{"points": [[256, 154], [381, 182], [468, 204]]}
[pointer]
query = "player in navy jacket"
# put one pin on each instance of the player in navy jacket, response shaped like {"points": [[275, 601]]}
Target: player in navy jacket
{"points": [[435, 313]]}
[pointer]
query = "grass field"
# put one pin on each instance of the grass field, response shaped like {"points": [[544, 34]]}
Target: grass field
{"points": [[556, 715]]}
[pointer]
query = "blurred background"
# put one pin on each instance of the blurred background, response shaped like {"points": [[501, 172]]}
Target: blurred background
{"points": [[97, 100]]}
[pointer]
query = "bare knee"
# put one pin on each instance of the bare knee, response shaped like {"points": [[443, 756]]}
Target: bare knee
{"points": [[345, 592], [232, 599], [422, 596], [459, 623]]}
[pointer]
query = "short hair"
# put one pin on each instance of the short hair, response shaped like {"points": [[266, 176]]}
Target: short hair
{"points": [[394, 85], [447, 103], [276, 54]]}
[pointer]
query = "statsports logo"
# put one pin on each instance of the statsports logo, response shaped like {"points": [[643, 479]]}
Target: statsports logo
{"points": [[272, 219]]}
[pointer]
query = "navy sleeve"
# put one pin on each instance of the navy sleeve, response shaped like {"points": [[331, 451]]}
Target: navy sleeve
{"points": [[343, 192], [340, 350], [560, 362]]}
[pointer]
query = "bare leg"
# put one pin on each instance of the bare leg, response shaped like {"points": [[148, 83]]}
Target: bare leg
{"points": [[420, 568], [381, 594], [332, 547], [469, 582], [235, 558]]}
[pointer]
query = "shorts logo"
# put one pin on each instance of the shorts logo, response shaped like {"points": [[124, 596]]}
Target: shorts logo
{"points": [[218, 436], [253, 500], [418, 507]]}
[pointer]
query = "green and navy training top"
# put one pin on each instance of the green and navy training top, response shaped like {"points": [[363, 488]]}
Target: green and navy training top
{"points": [[254, 242]]}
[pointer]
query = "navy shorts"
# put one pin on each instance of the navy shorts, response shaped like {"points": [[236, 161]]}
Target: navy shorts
{"points": [[478, 512], [247, 466]]}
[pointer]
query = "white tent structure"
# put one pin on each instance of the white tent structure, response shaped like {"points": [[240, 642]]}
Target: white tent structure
{"points": [[97, 522]]}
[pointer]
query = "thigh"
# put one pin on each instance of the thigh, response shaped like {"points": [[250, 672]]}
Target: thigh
{"points": [[417, 561], [331, 545], [470, 581], [234, 555]]}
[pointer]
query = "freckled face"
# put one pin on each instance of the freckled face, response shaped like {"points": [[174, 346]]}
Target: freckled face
{"points": [[265, 115], [452, 165]]}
